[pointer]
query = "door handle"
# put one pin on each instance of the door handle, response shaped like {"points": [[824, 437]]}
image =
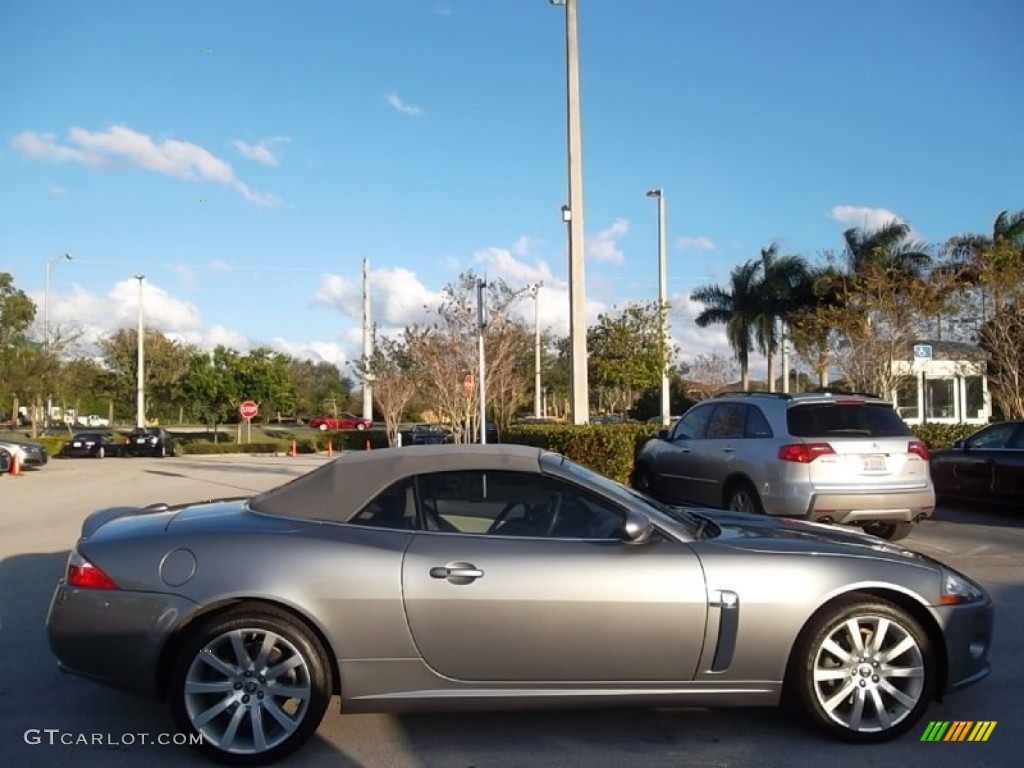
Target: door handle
{"points": [[457, 573], [728, 449]]}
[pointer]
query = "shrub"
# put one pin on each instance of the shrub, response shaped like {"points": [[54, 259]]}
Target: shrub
{"points": [[605, 448], [943, 435]]}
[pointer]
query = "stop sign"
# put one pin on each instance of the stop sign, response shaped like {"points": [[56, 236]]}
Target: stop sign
{"points": [[248, 409]]}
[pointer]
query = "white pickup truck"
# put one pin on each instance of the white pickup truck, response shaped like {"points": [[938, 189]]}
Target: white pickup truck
{"points": [[92, 420]]}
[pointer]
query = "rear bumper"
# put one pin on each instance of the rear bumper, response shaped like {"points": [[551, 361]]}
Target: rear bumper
{"points": [[113, 637], [851, 507]]}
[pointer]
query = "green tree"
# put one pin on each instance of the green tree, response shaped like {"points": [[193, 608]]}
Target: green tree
{"points": [[316, 385], [780, 279], [166, 368], [263, 376], [211, 386], [626, 355]]}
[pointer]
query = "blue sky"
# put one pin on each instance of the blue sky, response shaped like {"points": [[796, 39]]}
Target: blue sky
{"points": [[246, 156]]}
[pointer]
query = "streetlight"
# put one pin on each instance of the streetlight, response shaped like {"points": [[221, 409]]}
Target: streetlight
{"points": [[140, 394], [481, 326], [536, 350], [46, 322], [573, 216], [666, 406]]}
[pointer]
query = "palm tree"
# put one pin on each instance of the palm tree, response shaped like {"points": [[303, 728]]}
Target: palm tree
{"points": [[781, 276], [965, 254], [737, 307], [889, 247]]}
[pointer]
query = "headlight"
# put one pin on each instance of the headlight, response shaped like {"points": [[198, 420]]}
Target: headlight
{"points": [[957, 589]]}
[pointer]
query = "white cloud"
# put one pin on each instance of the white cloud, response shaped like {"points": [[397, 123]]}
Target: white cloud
{"points": [[864, 217], [218, 265], [169, 157], [443, 10], [406, 109], [317, 351], [696, 243], [604, 246], [186, 274], [262, 151], [58, 191], [397, 297]]}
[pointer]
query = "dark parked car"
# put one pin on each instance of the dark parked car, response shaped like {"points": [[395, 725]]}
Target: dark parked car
{"points": [[987, 467], [427, 434], [95, 445], [5, 461], [150, 441], [446, 577]]}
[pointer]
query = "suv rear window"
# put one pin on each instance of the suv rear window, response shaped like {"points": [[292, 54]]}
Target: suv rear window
{"points": [[845, 420]]}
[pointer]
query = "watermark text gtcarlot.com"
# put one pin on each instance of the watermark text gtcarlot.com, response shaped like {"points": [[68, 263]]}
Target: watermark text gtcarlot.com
{"points": [[55, 737]]}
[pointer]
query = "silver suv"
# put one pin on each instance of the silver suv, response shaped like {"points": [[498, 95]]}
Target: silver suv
{"points": [[825, 457]]}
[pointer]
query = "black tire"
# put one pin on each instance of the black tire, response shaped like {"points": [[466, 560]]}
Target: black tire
{"points": [[866, 674], [248, 689], [645, 482], [741, 496], [889, 531]]}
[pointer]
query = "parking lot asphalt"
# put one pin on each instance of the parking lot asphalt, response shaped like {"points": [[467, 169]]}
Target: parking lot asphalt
{"points": [[40, 517]]}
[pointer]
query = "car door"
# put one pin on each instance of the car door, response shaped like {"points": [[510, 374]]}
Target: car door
{"points": [[495, 593], [1008, 469], [718, 450], [974, 473], [677, 464]]}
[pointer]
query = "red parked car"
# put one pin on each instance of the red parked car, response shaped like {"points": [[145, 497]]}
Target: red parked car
{"points": [[344, 421]]}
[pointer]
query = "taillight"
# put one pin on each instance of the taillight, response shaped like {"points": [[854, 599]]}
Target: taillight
{"points": [[82, 573], [804, 453], [920, 449]]}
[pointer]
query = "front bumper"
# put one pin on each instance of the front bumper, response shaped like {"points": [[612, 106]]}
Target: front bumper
{"points": [[113, 637], [968, 632]]}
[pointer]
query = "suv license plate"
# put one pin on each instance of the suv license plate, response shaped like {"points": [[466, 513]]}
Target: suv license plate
{"points": [[874, 463]]}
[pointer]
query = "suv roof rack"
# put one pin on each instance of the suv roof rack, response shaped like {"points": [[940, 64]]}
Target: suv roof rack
{"points": [[778, 395], [827, 391]]}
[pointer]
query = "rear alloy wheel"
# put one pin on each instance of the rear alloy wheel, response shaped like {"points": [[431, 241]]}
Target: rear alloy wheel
{"points": [[360, 426], [889, 531], [254, 682], [323, 427], [865, 670], [742, 497]]}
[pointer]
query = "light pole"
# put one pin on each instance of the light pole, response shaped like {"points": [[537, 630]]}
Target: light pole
{"points": [[46, 323], [140, 390], [481, 325], [536, 351], [367, 345], [666, 405], [573, 215]]}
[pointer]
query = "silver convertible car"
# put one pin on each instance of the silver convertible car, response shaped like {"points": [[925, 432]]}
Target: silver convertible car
{"points": [[448, 577]]}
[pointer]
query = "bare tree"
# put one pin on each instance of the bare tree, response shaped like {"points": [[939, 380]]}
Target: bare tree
{"points": [[707, 374], [390, 368]]}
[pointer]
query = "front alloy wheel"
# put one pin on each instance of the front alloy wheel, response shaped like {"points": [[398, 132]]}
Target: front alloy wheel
{"points": [[253, 683], [866, 671]]}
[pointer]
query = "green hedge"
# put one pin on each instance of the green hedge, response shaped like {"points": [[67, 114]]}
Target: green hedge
{"points": [[943, 435], [605, 448]]}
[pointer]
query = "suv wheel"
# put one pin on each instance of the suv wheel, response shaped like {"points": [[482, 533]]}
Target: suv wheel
{"points": [[889, 531], [742, 497]]}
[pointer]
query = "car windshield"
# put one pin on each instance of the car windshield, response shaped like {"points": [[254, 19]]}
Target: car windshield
{"points": [[693, 522], [854, 419]]}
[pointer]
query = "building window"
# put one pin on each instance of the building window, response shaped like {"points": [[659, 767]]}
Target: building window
{"points": [[974, 395], [906, 398], [939, 398]]}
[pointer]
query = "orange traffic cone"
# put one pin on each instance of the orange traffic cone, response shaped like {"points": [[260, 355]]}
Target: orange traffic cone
{"points": [[15, 464], [295, 449], [330, 449]]}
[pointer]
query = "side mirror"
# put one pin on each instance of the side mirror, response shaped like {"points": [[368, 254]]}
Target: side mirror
{"points": [[638, 528], [661, 434]]}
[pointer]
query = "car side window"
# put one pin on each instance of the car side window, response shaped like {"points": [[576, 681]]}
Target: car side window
{"points": [[757, 424], [727, 422], [503, 503], [996, 436], [394, 507], [693, 424]]}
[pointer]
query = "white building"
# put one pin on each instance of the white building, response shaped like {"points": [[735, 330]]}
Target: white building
{"points": [[943, 382]]}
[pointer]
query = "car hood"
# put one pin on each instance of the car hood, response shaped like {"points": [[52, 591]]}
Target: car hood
{"points": [[785, 535]]}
